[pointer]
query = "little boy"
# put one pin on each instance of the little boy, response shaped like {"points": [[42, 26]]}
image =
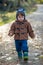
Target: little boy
{"points": [[21, 28]]}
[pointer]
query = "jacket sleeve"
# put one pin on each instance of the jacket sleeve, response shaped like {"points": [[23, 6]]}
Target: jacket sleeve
{"points": [[30, 30], [12, 29]]}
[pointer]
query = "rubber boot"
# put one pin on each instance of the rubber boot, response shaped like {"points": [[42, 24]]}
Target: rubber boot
{"points": [[25, 56]]}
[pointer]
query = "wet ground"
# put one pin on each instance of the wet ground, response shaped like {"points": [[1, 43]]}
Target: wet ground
{"points": [[8, 54]]}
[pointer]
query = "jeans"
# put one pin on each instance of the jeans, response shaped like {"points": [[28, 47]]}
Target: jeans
{"points": [[21, 47]]}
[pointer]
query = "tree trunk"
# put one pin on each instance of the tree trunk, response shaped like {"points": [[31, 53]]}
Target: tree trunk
{"points": [[26, 0], [18, 3]]}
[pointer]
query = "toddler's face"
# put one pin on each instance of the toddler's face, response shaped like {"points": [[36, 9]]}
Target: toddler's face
{"points": [[20, 17]]}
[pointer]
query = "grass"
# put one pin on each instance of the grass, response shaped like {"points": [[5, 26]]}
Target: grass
{"points": [[6, 17], [41, 57], [31, 10]]}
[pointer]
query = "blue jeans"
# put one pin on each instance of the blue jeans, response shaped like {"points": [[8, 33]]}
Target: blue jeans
{"points": [[21, 46]]}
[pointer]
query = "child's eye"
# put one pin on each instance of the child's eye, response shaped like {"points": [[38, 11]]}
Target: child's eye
{"points": [[19, 17]]}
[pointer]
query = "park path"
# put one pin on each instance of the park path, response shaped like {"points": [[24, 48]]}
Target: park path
{"points": [[8, 55]]}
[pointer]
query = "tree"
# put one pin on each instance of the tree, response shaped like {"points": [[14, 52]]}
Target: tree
{"points": [[15, 4], [18, 3], [26, 0]]}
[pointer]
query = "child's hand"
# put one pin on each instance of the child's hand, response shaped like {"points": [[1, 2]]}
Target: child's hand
{"points": [[10, 34]]}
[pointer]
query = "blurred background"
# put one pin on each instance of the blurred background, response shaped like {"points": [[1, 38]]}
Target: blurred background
{"points": [[34, 14], [8, 8]]}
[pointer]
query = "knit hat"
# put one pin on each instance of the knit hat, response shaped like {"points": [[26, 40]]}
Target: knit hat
{"points": [[20, 11]]}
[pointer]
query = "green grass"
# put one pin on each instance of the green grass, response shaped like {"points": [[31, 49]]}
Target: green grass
{"points": [[6, 17], [31, 10]]}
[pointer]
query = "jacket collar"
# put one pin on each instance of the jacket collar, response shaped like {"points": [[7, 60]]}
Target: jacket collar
{"points": [[20, 21]]}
